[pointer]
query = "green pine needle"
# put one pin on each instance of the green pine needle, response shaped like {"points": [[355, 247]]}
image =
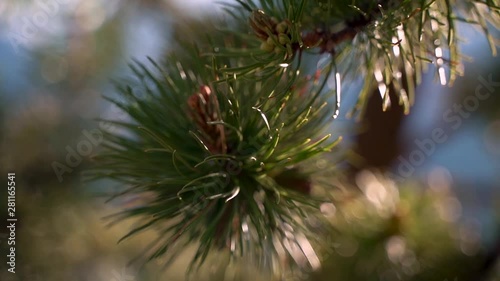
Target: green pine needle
{"points": [[223, 135], [209, 154]]}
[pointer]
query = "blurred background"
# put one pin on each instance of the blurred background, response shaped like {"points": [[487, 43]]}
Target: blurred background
{"points": [[57, 58]]}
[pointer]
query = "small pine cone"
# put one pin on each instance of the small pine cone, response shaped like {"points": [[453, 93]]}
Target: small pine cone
{"points": [[204, 108], [262, 24]]}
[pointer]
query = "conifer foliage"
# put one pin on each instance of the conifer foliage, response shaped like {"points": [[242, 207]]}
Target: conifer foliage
{"points": [[225, 135]]}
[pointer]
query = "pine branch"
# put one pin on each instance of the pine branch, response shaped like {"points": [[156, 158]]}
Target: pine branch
{"points": [[382, 39], [225, 134], [214, 153]]}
